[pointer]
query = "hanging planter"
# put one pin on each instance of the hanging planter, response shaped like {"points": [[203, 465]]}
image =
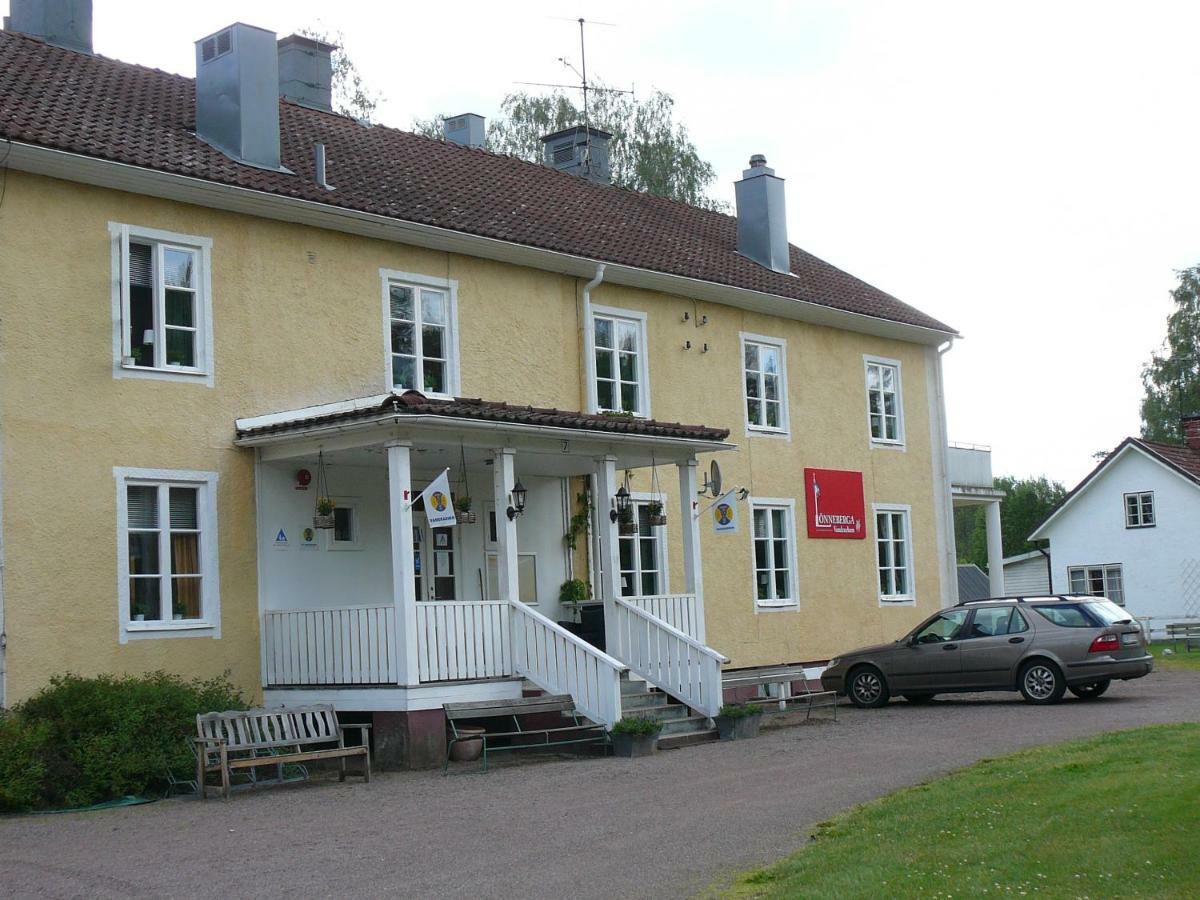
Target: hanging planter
{"points": [[626, 523], [323, 514], [462, 510], [654, 509]]}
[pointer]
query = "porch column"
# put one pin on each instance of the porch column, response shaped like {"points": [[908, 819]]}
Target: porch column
{"points": [[610, 550], [404, 588], [506, 528], [995, 550], [689, 527]]}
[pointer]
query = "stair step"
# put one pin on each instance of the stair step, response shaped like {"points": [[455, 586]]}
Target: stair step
{"points": [[629, 686], [670, 713], [675, 741], [685, 725], [632, 702]]}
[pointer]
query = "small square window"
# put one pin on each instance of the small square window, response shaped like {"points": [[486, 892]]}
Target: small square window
{"points": [[344, 534], [1139, 510]]}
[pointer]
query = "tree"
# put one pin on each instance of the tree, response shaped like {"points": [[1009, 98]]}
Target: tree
{"points": [[1027, 503], [649, 150], [351, 96], [1172, 377]]}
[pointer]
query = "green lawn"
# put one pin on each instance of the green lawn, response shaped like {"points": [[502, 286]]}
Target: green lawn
{"points": [[1179, 660], [1112, 816]]}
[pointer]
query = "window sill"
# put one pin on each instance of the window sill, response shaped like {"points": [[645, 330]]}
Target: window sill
{"points": [[877, 444], [432, 395], [898, 601], [759, 606], [1139, 527], [190, 628], [764, 431], [164, 373]]}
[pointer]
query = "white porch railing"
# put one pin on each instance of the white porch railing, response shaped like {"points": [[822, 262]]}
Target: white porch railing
{"points": [[348, 645], [559, 662], [670, 660], [459, 639], [677, 610]]}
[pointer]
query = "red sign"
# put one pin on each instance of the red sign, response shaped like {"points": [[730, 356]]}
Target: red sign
{"points": [[835, 504]]}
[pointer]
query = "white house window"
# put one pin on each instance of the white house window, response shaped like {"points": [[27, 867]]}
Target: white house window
{"points": [[619, 342], [894, 554], [167, 560], [643, 563], [885, 413], [162, 302], [421, 313], [344, 534], [765, 383], [1098, 581], [1139, 510], [774, 552]]}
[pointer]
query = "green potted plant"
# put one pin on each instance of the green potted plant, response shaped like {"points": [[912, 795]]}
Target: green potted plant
{"points": [[462, 507], [573, 591], [324, 516], [655, 514], [626, 522], [635, 736], [736, 721]]}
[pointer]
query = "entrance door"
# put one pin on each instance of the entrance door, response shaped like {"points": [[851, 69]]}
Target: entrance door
{"points": [[434, 561]]}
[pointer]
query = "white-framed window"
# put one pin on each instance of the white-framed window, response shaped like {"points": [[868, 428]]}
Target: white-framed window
{"points": [[764, 383], [162, 304], [345, 532], [527, 586], [421, 316], [894, 561], [1098, 581], [1139, 510], [885, 407], [773, 533], [620, 375], [167, 578], [643, 556]]}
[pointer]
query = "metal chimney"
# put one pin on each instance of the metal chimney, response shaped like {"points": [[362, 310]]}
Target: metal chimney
{"points": [[306, 71], [237, 94], [64, 23], [467, 130], [762, 216], [580, 150]]}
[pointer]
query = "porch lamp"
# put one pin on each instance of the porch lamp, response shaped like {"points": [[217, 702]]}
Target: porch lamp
{"points": [[623, 501], [518, 500]]}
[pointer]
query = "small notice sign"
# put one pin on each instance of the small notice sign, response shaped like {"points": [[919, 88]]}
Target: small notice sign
{"points": [[834, 499], [308, 538], [281, 540]]}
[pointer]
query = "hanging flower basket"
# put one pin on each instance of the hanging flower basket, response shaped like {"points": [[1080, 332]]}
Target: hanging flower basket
{"points": [[627, 526], [324, 513], [462, 511], [655, 515]]}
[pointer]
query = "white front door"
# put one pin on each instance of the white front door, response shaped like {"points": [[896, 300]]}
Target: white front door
{"points": [[435, 561]]}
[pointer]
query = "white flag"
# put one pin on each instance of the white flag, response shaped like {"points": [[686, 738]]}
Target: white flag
{"points": [[439, 511], [725, 513]]}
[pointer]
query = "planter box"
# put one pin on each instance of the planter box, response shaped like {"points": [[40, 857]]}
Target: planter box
{"points": [[631, 746], [627, 528], [737, 728], [323, 521]]}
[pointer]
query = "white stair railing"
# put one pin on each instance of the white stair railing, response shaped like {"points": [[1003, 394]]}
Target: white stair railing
{"points": [[560, 663], [667, 658], [677, 610]]}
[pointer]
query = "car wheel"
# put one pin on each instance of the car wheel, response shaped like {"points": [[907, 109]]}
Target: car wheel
{"points": [[867, 688], [1041, 682], [918, 699], [1089, 691]]}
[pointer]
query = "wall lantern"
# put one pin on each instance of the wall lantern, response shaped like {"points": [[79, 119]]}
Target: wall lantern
{"points": [[622, 504], [518, 500]]}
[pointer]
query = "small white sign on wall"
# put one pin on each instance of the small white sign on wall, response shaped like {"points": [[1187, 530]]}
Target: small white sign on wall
{"points": [[281, 540], [308, 537]]}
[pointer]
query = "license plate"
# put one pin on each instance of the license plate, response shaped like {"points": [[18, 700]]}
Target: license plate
{"points": [[1130, 638]]}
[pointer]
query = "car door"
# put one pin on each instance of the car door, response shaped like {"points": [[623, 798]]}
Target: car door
{"points": [[929, 660], [991, 645]]}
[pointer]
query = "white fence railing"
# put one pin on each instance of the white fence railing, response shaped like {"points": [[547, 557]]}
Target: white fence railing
{"points": [[559, 662], [677, 610], [667, 658], [461, 639], [349, 645]]}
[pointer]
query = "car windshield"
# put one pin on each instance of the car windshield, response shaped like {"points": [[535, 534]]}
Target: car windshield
{"points": [[1108, 612]]}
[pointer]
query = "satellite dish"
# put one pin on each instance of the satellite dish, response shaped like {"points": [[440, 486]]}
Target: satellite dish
{"points": [[714, 478]]}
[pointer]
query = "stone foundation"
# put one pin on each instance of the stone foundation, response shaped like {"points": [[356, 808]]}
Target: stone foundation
{"points": [[409, 740]]}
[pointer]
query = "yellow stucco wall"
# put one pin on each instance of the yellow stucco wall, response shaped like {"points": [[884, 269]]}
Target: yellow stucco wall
{"points": [[297, 320]]}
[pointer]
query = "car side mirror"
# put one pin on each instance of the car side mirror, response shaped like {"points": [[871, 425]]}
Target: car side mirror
{"points": [[912, 641]]}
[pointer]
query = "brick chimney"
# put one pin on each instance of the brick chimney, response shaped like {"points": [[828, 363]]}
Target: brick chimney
{"points": [[1191, 431]]}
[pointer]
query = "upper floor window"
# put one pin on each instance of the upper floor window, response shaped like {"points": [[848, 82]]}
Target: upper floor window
{"points": [[619, 342], [764, 371], [885, 412], [162, 302], [422, 333], [1139, 510], [774, 536], [894, 554], [1098, 581]]}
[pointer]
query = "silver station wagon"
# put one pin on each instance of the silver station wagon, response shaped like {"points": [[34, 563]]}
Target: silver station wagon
{"points": [[1040, 646]]}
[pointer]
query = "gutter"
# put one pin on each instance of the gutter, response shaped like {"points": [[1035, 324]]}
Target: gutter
{"points": [[189, 189], [943, 454], [589, 340]]}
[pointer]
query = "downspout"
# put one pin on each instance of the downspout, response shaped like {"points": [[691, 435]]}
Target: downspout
{"points": [[589, 349], [943, 450]]}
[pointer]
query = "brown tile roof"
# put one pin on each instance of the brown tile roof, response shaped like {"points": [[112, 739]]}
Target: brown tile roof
{"points": [[1185, 459], [104, 108], [415, 403]]}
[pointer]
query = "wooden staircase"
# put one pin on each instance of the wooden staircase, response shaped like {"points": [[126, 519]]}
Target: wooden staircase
{"points": [[681, 726]]}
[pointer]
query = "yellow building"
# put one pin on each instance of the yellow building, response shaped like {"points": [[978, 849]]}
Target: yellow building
{"points": [[221, 307]]}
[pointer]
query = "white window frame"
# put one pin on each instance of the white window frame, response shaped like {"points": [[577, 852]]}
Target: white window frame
{"points": [[355, 525], [788, 504], [120, 236], [899, 441], [1106, 571], [1139, 519], [416, 281], [779, 344], [909, 598], [638, 319], [641, 499], [209, 625]]}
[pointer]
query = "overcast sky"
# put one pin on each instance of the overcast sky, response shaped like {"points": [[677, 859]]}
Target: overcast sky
{"points": [[1027, 172]]}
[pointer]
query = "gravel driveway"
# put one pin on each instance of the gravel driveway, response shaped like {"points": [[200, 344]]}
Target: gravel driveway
{"points": [[663, 827]]}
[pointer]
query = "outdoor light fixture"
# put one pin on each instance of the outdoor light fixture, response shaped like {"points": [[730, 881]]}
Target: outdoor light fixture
{"points": [[622, 500], [518, 500]]}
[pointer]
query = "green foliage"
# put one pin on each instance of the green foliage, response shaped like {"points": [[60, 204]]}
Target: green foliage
{"points": [[579, 521], [81, 741], [1172, 377], [574, 591], [1027, 503], [649, 150], [351, 96], [637, 725], [739, 710]]}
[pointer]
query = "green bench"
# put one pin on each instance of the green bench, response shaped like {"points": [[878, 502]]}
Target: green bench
{"points": [[783, 678], [1188, 632], [521, 736]]}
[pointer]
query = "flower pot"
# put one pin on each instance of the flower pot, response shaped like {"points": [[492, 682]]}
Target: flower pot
{"points": [[323, 521], [736, 728], [631, 746], [470, 749], [140, 617], [655, 521], [630, 527], [465, 518]]}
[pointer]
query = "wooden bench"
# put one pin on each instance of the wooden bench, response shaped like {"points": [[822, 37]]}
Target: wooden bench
{"points": [[522, 737], [1188, 632], [782, 677], [248, 738]]}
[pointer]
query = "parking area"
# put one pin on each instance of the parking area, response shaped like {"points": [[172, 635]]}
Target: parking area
{"points": [[663, 826]]}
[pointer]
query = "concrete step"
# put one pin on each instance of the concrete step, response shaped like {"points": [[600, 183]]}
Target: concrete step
{"points": [[629, 686], [676, 741], [668, 713], [687, 724], [648, 700]]}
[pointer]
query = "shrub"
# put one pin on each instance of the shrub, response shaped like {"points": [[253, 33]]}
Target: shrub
{"points": [[573, 591], [639, 725], [739, 710], [81, 741]]}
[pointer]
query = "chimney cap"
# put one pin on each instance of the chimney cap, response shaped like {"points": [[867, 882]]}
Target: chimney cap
{"points": [[757, 160], [308, 43], [575, 130]]}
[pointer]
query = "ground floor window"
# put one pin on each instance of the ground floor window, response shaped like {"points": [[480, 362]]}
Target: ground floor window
{"points": [[1098, 581], [643, 573], [774, 536], [894, 553]]}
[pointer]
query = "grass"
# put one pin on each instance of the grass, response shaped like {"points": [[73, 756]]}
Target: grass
{"points": [[1112, 816], [1179, 661]]}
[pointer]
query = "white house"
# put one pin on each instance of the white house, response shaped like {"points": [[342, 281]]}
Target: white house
{"points": [[1130, 529], [1027, 574]]}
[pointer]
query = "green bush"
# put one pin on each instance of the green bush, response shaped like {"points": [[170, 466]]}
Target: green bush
{"points": [[639, 725], [81, 741], [739, 710]]}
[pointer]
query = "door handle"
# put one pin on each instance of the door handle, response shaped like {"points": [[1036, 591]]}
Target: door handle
{"points": [[1016, 640], [949, 646]]}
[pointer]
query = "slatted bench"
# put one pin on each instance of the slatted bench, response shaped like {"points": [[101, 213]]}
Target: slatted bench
{"points": [[522, 737], [1188, 632], [248, 738], [783, 677]]}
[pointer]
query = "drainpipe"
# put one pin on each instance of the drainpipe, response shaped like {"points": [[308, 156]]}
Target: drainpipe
{"points": [[943, 450], [589, 349]]}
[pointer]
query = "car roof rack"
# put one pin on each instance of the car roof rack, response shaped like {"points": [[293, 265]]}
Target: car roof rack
{"points": [[989, 600]]}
